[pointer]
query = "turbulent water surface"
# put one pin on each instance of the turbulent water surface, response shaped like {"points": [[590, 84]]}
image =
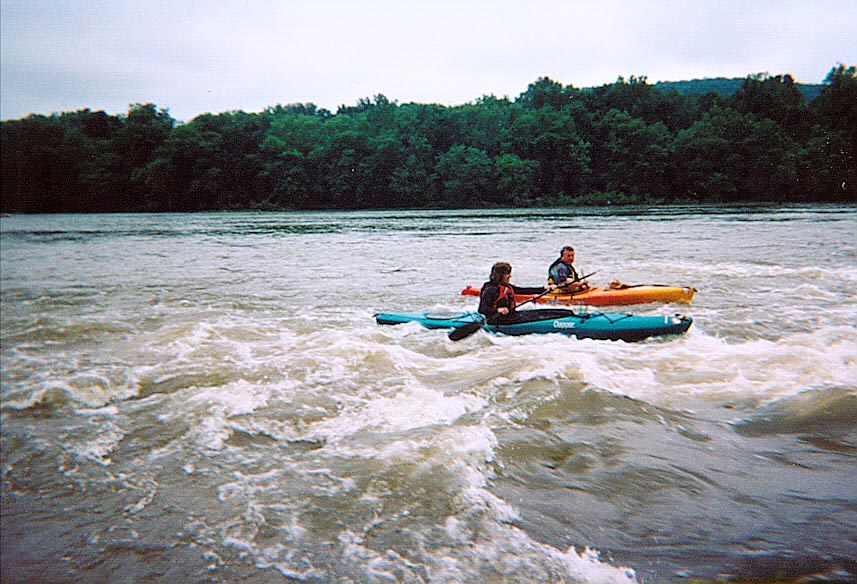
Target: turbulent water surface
{"points": [[207, 398]]}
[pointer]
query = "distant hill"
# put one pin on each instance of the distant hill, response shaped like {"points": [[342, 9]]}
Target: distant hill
{"points": [[724, 86]]}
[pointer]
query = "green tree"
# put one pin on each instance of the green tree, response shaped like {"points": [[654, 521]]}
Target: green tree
{"points": [[729, 157], [777, 98], [635, 97], [467, 177], [183, 171], [550, 139], [293, 150], [836, 149], [545, 92], [516, 181], [636, 156], [144, 129], [32, 180], [414, 183], [623, 142]]}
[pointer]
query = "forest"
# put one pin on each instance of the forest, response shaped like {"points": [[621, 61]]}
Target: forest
{"points": [[629, 142]]}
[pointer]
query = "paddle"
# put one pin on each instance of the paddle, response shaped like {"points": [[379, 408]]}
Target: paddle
{"points": [[467, 330], [576, 280], [471, 327]]}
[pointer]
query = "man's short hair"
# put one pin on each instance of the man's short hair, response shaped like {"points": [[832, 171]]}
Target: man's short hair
{"points": [[565, 248]]}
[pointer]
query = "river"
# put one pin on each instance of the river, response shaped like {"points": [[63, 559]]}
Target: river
{"points": [[207, 398]]}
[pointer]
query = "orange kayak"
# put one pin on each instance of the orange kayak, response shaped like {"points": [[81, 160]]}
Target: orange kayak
{"points": [[641, 294]]}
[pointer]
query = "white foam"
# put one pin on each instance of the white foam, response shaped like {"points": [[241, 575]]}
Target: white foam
{"points": [[208, 410], [409, 408], [506, 552], [761, 370], [107, 436]]}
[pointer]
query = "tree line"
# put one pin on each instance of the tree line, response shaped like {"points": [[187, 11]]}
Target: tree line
{"points": [[628, 142]]}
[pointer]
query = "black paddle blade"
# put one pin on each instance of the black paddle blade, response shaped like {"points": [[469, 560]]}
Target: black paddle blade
{"points": [[466, 330]]}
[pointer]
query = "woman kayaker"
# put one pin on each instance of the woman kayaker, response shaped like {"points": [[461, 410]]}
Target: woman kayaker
{"points": [[562, 272], [497, 298]]}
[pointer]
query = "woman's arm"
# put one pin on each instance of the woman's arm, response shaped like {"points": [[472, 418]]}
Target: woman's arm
{"points": [[488, 300], [528, 290]]}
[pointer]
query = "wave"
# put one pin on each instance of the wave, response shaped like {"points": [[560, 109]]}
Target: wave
{"points": [[823, 411]]}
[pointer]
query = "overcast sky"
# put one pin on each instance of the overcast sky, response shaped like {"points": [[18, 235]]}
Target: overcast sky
{"points": [[195, 56]]}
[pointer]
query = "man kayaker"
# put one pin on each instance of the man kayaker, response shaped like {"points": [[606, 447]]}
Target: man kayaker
{"points": [[562, 272], [497, 298]]}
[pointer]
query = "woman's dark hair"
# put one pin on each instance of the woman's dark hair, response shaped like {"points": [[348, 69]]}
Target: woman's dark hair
{"points": [[499, 270]]}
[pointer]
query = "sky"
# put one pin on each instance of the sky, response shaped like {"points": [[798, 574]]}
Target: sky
{"points": [[210, 56]]}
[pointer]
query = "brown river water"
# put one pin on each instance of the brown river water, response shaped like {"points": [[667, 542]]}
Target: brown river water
{"points": [[207, 398]]}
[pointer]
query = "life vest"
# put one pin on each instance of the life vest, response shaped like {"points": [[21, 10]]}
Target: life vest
{"points": [[572, 273], [507, 294]]}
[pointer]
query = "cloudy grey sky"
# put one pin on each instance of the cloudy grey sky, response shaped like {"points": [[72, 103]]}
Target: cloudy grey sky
{"points": [[196, 56]]}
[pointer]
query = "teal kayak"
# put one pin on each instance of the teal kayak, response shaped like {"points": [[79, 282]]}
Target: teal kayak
{"points": [[594, 325]]}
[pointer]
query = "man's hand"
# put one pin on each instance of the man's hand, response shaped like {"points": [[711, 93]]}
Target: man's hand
{"points": [[578, 284]]}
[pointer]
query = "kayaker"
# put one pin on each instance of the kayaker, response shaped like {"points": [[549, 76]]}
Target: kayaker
{"points": [[562, 272], [497, 298]]}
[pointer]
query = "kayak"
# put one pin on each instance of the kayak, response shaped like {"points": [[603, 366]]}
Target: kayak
{"points": [[596, 325], [642, 294]]}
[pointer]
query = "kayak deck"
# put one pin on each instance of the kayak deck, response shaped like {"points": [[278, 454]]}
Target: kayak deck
{"points": [[598, 325], [602, 296]]}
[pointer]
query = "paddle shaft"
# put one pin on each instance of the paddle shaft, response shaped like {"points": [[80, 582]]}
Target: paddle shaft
{"points": [[576, 280], [537, 296]]}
